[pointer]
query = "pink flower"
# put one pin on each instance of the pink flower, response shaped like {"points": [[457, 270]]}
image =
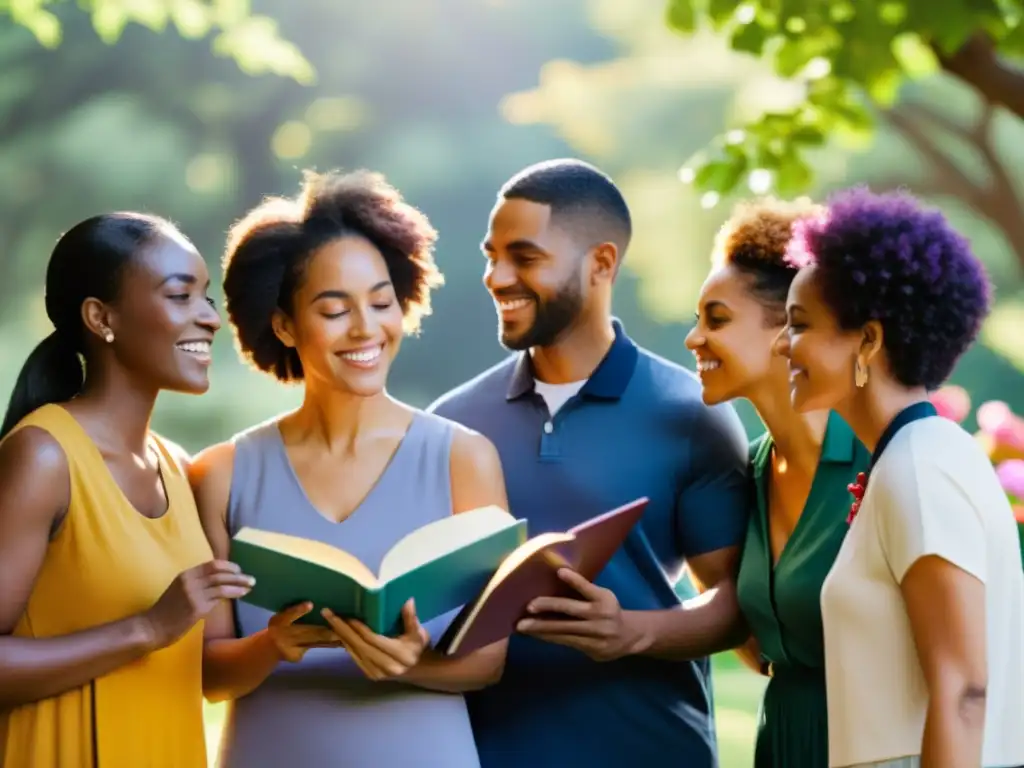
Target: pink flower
{"points": [[952, 402], [856, 488], [1006, 428], [1011, 477]]}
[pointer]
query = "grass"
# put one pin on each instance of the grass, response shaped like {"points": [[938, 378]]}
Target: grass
{"points": [[737, 694]]}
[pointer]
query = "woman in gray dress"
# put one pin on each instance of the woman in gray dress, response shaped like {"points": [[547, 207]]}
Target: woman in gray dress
{"points": [[320, 290]]}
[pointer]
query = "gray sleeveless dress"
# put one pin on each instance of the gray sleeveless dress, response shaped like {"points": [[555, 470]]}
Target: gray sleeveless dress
{"points": [[323, 711]]}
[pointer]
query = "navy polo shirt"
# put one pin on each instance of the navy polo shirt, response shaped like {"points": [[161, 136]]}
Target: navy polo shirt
{"points": [[637, 428]]}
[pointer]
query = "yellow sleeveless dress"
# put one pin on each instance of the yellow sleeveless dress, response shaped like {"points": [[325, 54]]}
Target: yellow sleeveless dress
{"points": [[107, 562]]}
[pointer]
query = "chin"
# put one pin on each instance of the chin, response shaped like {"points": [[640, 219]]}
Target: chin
{"points": [[371, 386], [190, 386], [711, 397], [513, 342]]}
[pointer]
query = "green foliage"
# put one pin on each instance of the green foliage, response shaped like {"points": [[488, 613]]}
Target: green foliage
{"points": [[847, 56], [252, 41]]}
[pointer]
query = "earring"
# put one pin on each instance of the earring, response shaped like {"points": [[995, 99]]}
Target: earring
{"points": [[860, 374], [108, 336]]}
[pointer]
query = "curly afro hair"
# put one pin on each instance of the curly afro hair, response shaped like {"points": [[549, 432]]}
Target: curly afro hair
{"points": [[885, 257], [754, 239], [268, 251]]}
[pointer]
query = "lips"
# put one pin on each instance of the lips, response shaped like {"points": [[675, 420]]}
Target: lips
{"points": [[198, 349], [364, 357], [513, 304]]}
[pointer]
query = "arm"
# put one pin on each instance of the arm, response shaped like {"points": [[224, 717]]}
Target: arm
{"points": [[232, 666], [34, 496], [477, 481], [946, 607], [703, 625], [711, 517], [934, 543]]}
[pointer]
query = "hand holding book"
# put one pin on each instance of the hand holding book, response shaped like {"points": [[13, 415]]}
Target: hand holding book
{"points": [[379, 656], [480, 560], [595, 624], [292, 639]]}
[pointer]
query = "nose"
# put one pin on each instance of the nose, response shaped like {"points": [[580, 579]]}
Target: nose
{"points": [[499, 275], [364, 323], [781, 344], [209, 317], [694, 339]]}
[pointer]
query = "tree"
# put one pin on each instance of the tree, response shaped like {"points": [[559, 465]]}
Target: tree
{"points": [[852, 63], [251, 40]]}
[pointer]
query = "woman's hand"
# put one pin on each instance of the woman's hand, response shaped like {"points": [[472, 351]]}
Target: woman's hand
{"points": [[293, 640], [381, 657]]}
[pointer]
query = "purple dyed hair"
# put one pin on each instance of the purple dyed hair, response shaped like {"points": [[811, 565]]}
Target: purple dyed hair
{"points": [[885, 257]]}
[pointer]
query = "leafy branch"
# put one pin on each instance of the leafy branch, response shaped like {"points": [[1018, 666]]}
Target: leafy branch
{"points": [[251, 40]]}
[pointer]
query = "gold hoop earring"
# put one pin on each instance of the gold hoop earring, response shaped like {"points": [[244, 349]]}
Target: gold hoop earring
{"points": [[860, 374]]}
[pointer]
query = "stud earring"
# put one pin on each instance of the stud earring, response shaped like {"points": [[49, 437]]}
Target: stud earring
{"points": [[108, 336], [860, 374]]}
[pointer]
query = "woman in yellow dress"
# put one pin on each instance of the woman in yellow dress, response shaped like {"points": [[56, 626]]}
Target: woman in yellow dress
{"points": [[105, 569]]}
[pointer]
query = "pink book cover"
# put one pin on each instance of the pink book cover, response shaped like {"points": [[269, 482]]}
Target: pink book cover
{"points": [[532, 571]]}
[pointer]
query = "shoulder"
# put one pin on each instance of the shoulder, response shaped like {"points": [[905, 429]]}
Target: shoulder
{"points": [[468, 448], [181, 457], [215, 460], [482, 388], [472, 449], [932, 445], [673, 390], [33, 453]]}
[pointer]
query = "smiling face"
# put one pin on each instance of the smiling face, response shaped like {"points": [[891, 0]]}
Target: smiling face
{"points": [[346, 321], [534, 273], [163, 320], [733, 337], [821, 355]]}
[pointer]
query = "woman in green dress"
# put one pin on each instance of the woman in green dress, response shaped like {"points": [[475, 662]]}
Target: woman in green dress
{"points": [[800, 468]]}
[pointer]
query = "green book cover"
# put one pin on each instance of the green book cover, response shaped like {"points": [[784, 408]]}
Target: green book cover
{"points": [[441, 566]]}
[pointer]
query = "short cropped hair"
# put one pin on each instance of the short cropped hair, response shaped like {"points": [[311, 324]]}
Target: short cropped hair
{"points": [[269, 249], [580, 196], [887, 258], [753, 241]]}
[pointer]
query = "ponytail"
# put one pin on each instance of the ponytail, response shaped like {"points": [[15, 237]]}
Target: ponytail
{"points": [[53, 373]]}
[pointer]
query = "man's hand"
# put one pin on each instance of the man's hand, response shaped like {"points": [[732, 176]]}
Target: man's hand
{"points": [[381, 657], [595, 624]]}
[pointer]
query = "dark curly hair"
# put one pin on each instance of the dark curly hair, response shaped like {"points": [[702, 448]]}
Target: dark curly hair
{"points": [[754, 240], [268, 251], [885, 257]]}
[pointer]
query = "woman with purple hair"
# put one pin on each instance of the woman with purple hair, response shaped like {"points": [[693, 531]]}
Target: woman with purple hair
{"points": [[923, 610]]}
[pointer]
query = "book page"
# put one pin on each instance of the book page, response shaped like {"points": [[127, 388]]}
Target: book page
{"points": [[442, 537], [315, 552]]}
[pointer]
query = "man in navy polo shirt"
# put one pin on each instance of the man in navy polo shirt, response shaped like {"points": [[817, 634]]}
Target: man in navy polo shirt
{"points": [[585, 421]]}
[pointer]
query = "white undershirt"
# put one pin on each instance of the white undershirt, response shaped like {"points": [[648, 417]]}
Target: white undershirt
{"points": [[556, 395]]}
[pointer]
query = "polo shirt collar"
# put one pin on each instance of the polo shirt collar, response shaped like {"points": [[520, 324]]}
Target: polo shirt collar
{"points": [[838, 447], [607, 382]]}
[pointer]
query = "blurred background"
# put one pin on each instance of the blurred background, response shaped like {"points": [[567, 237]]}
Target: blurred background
{"points": [[195, 110]]}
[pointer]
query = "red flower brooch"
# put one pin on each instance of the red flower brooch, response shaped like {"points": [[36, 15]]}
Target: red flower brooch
{"points": [[857, 489]]}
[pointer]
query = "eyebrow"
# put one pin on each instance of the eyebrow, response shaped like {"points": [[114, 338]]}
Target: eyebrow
{"points": [[183, 277], [345, 295], [516, 245], [716, 304]]}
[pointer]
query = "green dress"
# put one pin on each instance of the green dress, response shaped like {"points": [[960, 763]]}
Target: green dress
{"points": [[782, 603]]}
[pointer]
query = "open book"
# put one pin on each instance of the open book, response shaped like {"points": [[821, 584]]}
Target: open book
{"points": [[442, 566], [532, 571]]}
